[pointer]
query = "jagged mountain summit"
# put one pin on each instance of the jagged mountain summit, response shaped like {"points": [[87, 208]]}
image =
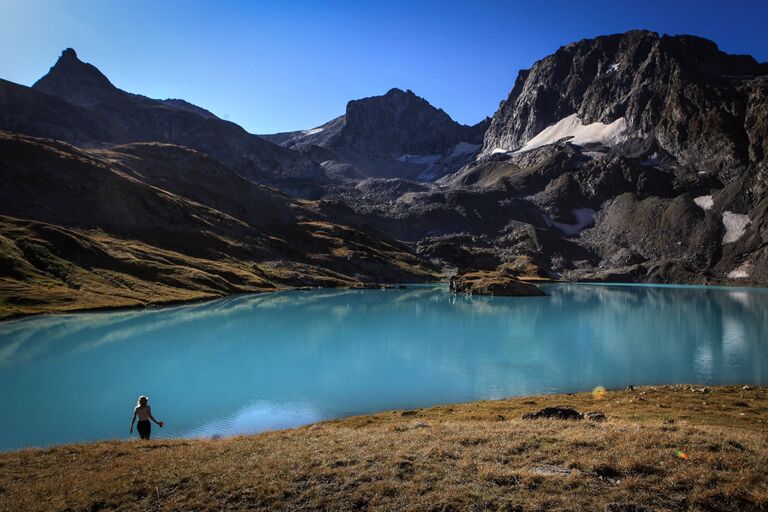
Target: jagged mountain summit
{"points": [[395, 135], [83, 85], [700, 104]]}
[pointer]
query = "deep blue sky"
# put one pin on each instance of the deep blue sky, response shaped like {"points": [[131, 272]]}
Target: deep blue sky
{"points": [[286, 65]]}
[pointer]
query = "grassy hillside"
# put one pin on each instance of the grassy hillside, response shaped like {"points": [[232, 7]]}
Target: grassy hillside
{"points": [[477, 456], [155, 223]]}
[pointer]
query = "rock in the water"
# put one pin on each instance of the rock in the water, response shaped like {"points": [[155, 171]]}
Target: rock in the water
{"points": [[559, 413], [492, 283]]}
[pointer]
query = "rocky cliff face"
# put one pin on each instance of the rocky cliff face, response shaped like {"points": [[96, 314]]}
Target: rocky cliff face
{"points": [[700, 104]]}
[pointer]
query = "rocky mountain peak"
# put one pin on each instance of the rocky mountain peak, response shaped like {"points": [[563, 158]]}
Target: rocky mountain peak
{"points": [[399, 93], [68, 54], [682, 90], [399, 122], [76, 82]]}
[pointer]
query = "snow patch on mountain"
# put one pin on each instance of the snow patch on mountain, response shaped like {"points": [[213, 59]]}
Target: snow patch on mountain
{"points": [[585, 217], [464, 148], [704, 202], [418, 159], [580, 134], [735, 224], [741, 272], [312, 131]]}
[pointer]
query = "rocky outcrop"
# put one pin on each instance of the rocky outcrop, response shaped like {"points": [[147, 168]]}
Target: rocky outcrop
{"points": [[564, 413], [558, 413], [489, 282]]}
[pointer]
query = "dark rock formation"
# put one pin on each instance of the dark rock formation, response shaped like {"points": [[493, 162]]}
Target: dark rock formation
{"points": [[558, 413], [492, 283], [564, 413]]}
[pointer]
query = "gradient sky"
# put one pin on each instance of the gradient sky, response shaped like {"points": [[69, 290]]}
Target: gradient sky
{"points": [[288, 65]]}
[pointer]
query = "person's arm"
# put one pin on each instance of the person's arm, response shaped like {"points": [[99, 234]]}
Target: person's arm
{"points": [[133, 420], [153, 418]]}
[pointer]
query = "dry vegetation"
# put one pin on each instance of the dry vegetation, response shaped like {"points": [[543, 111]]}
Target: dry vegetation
{"points": [[478, 456]]}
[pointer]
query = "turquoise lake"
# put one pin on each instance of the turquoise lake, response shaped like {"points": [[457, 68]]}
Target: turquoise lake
{"points": [[251, 363]]}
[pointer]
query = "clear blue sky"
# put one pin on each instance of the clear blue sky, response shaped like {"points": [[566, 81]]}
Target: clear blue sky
{"points": [[293, 64]]}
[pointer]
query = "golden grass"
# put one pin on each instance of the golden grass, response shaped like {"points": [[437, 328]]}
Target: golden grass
{"points": [[130, 273], [478, 456]]}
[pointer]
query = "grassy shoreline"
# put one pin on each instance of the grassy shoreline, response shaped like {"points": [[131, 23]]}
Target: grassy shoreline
{"points": [[6, 316], [474, 456]]}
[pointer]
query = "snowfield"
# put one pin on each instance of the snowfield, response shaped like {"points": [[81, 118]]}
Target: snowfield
{"points": [[418, 159], [580, 134], [312, 131], [464, 148], [704, 202], [585, 217], [735, 224], [740, 272]]}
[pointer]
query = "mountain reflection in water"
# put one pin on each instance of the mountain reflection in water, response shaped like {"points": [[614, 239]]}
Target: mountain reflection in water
{"points": [[249, 363]]}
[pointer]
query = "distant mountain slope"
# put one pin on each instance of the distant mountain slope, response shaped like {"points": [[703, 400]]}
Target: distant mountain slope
{"points": [[103, 114], [396, 135], [25, 110], [148, 223]]}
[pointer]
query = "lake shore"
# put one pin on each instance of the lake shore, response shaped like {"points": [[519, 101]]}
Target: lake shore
{"points": [[660, 448], [8, 313]]}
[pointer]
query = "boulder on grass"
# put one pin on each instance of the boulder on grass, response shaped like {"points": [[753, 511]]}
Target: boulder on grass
{"points": [[559, 413]]}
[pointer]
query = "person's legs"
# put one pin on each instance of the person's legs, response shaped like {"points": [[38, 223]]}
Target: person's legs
{"points": [[144, 428]]}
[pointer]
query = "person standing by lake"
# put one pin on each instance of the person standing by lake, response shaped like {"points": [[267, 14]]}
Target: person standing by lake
{"points": [[143, 412]]}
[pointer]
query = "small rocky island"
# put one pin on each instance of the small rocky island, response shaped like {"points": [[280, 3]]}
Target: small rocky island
{"points": [[492, 282]]}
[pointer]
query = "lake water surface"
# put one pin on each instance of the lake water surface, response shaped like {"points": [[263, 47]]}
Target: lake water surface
{"points": [[251, 363]]}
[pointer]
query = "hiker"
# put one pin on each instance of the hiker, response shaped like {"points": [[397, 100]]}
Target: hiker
{"points": [[144, 413]]}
